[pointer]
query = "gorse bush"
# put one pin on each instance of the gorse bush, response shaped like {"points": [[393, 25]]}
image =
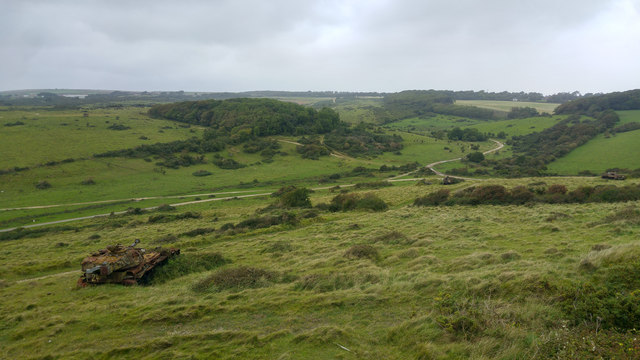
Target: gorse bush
{"points": [[433, 199], [554, 194], [353, 201], [295, 198], [163, 218], [185, 264]]}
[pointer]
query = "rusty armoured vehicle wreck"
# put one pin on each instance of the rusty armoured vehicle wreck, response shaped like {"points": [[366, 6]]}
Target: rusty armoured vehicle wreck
{"points": [[119, 264]]}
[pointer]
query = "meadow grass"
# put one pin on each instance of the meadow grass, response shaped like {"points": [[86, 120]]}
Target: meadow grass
{"points": [[518, 127], [54, 135], [477, 282]]}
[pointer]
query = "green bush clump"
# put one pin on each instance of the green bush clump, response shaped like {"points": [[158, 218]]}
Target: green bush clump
{"points": [[185, 264], [198, 231], [228, 164], [352, 201], [43, 185], [202, 173], [236, 278], [295, 198], [267, 221], [312, 151], [88, 181], [433, 199], [373, 185], [554, 194], [163, 218]]}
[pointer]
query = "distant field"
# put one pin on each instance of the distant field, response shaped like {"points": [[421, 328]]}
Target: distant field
{"points": [[621, 150], [506, 106], [445, 122], [57, 135], [427, 124], [517, 127]]}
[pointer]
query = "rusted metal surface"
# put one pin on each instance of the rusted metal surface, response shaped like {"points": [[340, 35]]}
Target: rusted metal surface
{"points": [[122, 264]]}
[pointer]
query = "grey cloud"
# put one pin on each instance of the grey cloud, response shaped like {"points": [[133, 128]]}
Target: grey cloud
{"points": [[381, 45]]}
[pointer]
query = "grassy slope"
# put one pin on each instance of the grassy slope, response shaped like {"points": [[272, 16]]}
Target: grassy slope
{"points": [[58, 135], [393, 307], [601, 153], [517, 127], [125, 179]]}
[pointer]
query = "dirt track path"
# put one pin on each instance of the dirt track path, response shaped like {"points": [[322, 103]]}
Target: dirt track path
{"points": [[439, 173]]}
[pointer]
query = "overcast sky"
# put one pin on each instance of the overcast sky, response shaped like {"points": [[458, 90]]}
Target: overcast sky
{"points": [[348, 45]]}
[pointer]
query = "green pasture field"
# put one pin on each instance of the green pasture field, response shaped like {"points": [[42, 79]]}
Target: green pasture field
{"points": [[49, 135], [517, 127], [427, 124], [505, 106], [616, 151], [478, 282]]}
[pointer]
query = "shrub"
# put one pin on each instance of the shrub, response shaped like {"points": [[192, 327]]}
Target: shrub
{"points": [[88, 181], [163, 218], [228, 164], [296, 198], [371, 202], [165, 207], [118, 127], [475, 157], [373, 185], [312, 151], [185, 264], [361, 251], [198, 231], [433, 199], [557, 189], [42, 185], [264, 222], [201, 173], [521, 195], [236, 278], [490, 194], [346, 202]]}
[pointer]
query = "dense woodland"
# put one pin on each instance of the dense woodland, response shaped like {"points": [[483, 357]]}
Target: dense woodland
{"points": [[420, 103], [251, 117], [627, 100]]}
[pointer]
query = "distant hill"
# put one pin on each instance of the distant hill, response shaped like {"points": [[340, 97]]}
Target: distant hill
{"points": [[626, 100]]}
